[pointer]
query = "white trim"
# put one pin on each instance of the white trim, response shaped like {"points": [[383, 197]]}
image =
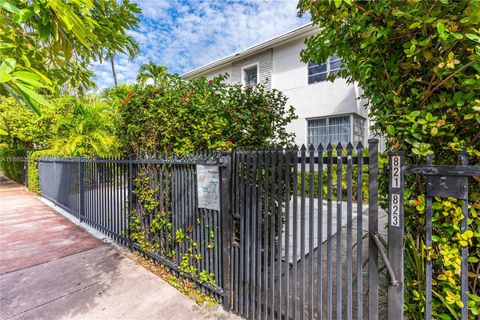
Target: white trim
{"points": [[242, 77], [351, 128], [306, 75]]}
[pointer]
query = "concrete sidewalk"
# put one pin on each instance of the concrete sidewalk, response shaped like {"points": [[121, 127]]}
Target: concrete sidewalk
{"points": [[52, 269]]}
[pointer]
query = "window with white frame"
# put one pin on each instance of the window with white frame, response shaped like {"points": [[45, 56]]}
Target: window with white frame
{"points": [[318, 72], [337, 129], [358, 129], [250, 76], [317, 132]]}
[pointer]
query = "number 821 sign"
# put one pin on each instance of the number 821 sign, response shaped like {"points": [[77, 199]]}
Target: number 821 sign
{"points": [[395, 183]]}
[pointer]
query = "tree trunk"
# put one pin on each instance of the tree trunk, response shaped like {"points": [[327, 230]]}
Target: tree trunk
{"points": [[113, 70]]}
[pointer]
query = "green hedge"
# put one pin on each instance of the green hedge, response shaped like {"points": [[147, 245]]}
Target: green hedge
{"points": [[334, 183], [12, 163]]}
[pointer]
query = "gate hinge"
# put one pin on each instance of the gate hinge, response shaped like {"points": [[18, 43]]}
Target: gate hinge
{"points": [[393, 280]]}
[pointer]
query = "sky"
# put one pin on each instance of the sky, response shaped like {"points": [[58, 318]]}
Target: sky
{"points": [[184, 34]]}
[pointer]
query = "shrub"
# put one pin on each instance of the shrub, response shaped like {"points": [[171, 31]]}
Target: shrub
{"points": [[12, 164], [418, 63], [188, 116]]}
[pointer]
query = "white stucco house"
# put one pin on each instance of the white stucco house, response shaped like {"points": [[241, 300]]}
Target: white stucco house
{"points": [[327, 111]]}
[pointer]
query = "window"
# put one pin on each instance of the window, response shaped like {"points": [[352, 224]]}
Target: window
{"points": [[317, 132], [334, 64], [318, 72], [250, 76], [339, 130], [336, 129], [358, 129]]}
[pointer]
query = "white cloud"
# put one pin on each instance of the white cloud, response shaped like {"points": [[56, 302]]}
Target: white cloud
{"points": [[187, 34]]}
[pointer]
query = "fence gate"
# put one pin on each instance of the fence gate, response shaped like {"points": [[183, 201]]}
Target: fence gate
{"points": [[443, 181], [300, 242]]}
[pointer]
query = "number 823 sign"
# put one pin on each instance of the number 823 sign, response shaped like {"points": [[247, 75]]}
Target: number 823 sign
{"points": [[395, 181]]}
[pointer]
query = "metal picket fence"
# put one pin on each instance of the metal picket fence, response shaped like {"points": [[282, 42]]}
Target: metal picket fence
{"points": [[276, 233], [442, 181], [148, 204], [285, 240], [300, 219]]}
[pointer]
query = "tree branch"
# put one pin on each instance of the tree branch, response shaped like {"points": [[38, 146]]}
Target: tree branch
{"points": [[474, 139], [446, 79]]}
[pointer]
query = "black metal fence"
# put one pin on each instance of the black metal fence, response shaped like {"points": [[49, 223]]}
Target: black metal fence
{"points": [[148, 204], [300, 220], [274, 233], [286, 238], [60, 182]]}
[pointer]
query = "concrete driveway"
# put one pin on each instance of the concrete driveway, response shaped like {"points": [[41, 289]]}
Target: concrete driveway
{"points": [[52, 269]]}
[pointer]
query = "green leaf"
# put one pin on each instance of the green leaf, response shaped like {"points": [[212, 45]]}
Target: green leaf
{"points": [[9, 7], [415, 25], [3, 132], [29, 78], [469, 82], [457, 35], [390, 130], [363, 45], [4, 45], [437, 206], [8, 65], [414, 114], [44, 31], [441, 29], [33, 95], [23, 15], [32, 104], [5, 77], [473, 37], [338, 3]]}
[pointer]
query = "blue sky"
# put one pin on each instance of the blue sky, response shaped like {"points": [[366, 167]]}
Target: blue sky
{"points": [[184, 34]]}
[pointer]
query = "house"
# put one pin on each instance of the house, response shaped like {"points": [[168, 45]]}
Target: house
{"points": [[327, 111]]}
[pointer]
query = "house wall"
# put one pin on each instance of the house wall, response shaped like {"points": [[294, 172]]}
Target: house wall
{"points": [[290, 75], [280, 67], [264, 60], [222, 70]]}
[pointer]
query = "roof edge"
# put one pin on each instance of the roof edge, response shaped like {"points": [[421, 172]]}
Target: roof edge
{"points": [[292, 34]]}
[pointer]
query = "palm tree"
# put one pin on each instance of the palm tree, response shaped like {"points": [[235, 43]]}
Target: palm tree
{"points": [[132, 48], [151, 71], [112, 62], [87, 130]]}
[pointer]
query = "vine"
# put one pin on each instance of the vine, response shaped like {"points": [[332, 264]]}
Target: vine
{"points": [[152, 230]]}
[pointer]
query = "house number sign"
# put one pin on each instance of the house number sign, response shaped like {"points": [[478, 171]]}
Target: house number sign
{"points": [[395, 215], [395, 183], [395, 172]]}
